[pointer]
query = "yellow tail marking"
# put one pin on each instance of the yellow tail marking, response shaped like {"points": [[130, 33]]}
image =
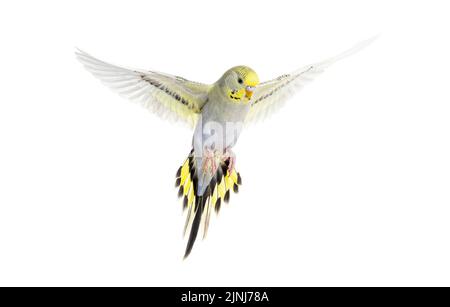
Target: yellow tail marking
{"points": [[191, 197], [187, 185], [234, 176], [229, 182], [184, 171], [222, 188], [214, 196]]}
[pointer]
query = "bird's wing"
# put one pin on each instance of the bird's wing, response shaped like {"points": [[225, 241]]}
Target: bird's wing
{"points": [[269, 96], [166, 95]]}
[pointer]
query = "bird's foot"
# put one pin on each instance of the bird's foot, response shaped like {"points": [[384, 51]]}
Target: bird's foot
{"points": [[209, 161]]}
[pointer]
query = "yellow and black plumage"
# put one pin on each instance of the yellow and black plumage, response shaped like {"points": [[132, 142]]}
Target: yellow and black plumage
{"points": [[199, 207]]}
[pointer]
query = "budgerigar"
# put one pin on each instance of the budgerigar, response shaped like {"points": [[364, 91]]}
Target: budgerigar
{"points": [[217, 111]]}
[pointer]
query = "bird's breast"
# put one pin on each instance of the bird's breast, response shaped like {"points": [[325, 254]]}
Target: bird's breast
{"points": [[220, 125]]}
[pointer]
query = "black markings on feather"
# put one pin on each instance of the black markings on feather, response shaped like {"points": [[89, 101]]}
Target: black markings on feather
{"points": [[282, 85], [232, 95], [212, 183], [196, 211], [177, 182], [239, 179], [226, 197], [218, 203], [208, 192], [191, 161], [178, 172], [225, 167], [166, 90], [193, 176], [185, 202], [282, 77], [271, 92], [195, 183], [219, 174], [199, 207]]}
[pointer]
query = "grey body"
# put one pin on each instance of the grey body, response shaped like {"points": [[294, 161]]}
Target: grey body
{"points": [[218, 129]]}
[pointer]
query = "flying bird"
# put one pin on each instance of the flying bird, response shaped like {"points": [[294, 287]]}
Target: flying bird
{"points": [[217, 112]]}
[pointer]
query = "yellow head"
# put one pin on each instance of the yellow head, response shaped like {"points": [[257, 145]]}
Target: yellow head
{"points": [[238, 84]]}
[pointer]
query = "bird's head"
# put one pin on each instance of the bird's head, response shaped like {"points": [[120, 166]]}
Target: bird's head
{"points": [[238, 84]]}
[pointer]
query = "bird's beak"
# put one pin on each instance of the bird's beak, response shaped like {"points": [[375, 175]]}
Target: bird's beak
{"points": [[249, 91]]}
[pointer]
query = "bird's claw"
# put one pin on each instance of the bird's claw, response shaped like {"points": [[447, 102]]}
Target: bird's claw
{"points": [[209, 161]]}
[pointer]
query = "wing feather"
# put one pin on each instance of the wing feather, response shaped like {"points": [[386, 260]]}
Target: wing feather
{"points": [[271, 95], [166, 95]]}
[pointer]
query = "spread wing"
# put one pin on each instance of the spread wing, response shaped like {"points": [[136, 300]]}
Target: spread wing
{"points": [[269, 96], [166, 95]]}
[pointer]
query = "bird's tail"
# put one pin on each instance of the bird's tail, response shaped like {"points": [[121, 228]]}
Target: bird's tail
{"points": [[199, 207]]}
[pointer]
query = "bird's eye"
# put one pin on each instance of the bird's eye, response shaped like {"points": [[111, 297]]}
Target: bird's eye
{"points": [[240, 81]]}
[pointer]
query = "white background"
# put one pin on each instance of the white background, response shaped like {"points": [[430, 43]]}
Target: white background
{"points": [[346, 185]]}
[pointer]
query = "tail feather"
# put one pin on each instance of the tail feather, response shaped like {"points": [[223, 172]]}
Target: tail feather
{"points": [[200, 204], [199, 208]]}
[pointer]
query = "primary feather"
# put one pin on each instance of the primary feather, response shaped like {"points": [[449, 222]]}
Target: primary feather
{"points": [[166, 95], [271, 95]]}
